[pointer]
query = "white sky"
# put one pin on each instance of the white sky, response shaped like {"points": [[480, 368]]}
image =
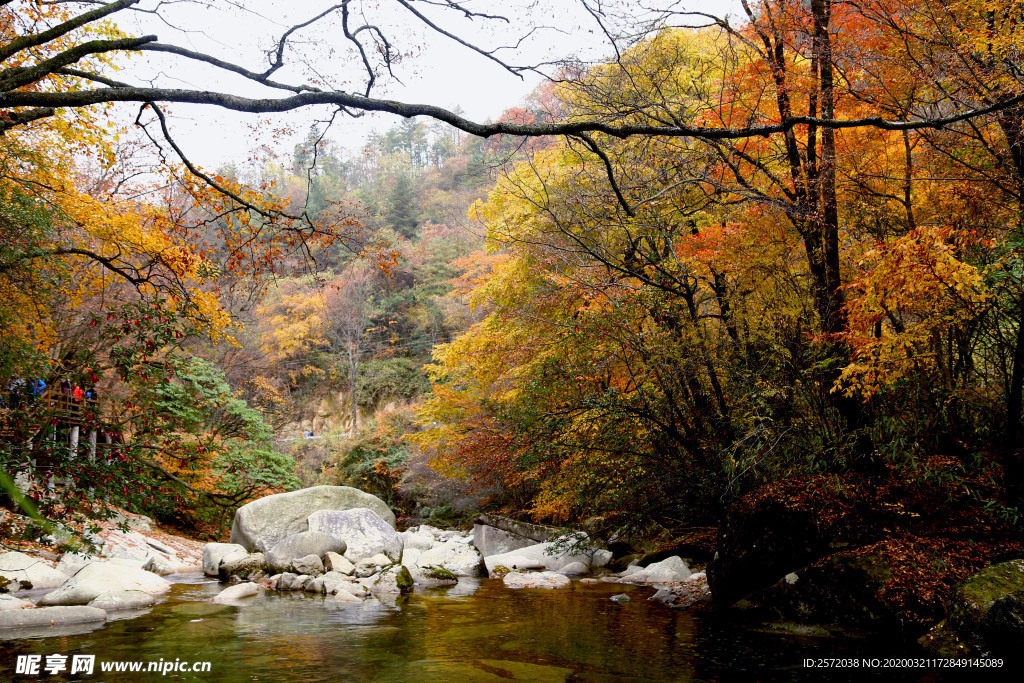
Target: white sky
{"points": [[435, 69]]}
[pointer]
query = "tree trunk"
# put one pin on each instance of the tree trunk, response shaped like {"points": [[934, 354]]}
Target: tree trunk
{"points": [[353, 378]]}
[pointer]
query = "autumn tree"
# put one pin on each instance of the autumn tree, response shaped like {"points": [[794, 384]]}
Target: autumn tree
{"points": [[347, 312]]}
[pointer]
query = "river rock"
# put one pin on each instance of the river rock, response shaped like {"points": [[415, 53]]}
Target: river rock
{"points": [[71, 561], [417, 540], [491, 540], [458, 558], [365, 533], [30, 572], [686, 593], [304, 543], [394, 580], [315, 586], [160, 546], [158, 564], [310, 564], [496, 564], [248, 567], [410, 557], [119, 600], [132, 521], [333, 562], [495, 535], [365, 568], [667, 571], [536, 580], [432, 576], [132, 545], [105, 577], [344, 596], [620, 598], [541, 555], [575, 568], [50, 616], [332, 586], [216, 553], [985, 617], [237, 592], [293, 582], [261, 524], [8, 602]]}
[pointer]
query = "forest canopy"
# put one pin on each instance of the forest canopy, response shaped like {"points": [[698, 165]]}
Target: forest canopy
{"points": [[734, 250]]}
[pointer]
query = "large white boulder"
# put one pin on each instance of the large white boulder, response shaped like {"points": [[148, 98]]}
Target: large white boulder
{"points": [[29, 572], [105, 577], [291, 548], [547, 555], [362, 529], [259, 525], [458, 558], [215, 554], [668, 570], [536, 580]]}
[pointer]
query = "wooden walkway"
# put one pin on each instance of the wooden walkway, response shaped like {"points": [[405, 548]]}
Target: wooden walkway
{"points": [[52, 408]]}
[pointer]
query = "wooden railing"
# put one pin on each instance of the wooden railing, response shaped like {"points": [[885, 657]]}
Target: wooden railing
{"points": [[51, 404]]}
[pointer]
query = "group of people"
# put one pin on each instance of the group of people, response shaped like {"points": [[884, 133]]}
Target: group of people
{"points": [[19, 391], [76, 392]]}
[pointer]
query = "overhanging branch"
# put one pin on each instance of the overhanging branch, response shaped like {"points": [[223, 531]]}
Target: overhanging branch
{"points": [[84, 98]]}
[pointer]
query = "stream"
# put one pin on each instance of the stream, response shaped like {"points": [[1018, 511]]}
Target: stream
{"points": [[478, 630]]}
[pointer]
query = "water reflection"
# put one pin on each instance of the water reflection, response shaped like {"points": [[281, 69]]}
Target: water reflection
{"points": [[476, 631]]}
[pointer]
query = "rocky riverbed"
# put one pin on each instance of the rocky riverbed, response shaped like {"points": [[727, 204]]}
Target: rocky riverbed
{"points": [[329, 541], [774, 566]]}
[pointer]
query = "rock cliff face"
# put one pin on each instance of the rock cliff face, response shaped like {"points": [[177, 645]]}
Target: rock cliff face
{"points": [[329, 413]]}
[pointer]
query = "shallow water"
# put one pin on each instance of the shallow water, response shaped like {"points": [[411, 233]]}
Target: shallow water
{"points": [[476, 631]]}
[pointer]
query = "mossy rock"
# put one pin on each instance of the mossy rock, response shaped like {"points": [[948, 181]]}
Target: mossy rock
{"points": [[944, 641], [985, 616], [439, 574], [1003, 626], [975, 597], [404, 580], [499, 571]]}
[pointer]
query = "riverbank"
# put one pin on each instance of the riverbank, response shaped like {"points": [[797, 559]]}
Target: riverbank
{"points": [[821, 555]]}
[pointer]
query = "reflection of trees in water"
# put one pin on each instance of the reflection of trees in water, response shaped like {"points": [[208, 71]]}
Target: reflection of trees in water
{"points": [[578, 628], [439, 635]]}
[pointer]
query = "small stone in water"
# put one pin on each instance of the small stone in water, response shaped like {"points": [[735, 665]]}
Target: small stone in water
{"points": [[621, 597]]}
